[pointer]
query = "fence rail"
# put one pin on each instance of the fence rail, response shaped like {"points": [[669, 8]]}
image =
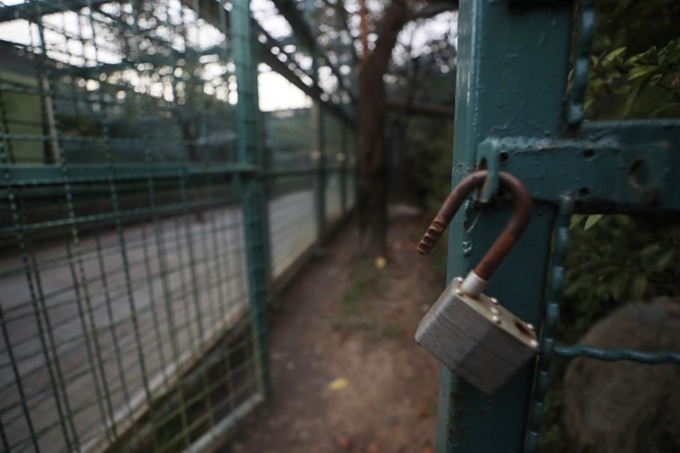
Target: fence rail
{"points": [[147, 208]]}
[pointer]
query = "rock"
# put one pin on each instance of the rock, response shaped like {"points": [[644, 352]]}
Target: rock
{"points": [[627, 407]]}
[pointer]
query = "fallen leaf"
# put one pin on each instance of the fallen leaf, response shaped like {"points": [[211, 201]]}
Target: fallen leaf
{"points": [[345, 443], [373, 448], [427, 409], [338, 384], [380, 262]]}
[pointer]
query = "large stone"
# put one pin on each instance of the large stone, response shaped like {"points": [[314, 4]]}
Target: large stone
{"points": [[627, 407]]}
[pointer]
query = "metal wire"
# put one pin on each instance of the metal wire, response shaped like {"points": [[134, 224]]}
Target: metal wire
{"points": [[612, 355], [550, 322], [581, 68]]}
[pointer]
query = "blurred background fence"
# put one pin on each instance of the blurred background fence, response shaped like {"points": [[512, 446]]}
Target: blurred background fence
{"points": [[166, 165]]}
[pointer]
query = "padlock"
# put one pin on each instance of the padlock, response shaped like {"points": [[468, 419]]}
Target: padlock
{"points": [[466, 330]]}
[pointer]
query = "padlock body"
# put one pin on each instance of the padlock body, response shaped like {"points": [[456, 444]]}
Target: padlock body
{"points": [[476, 338]]}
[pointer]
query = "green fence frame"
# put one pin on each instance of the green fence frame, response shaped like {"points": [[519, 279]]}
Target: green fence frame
{"points": [[201, 242], [512, 115]]}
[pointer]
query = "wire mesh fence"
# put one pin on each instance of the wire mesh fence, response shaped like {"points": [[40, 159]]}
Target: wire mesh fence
{"points": [[308, 172], [290, 138], [136, 221]]}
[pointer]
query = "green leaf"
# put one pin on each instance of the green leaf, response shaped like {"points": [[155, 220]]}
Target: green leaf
{"points": [[638, 286], [618, 285], [611, 56], [664, 108], [623, 89], [641, 71], [622, 219], [655, 79], [664, 261], [608, 271], [633, 95], [651, 249], [595, 84], [588, 104], [576, 219], [632, 60], [592, 220]]}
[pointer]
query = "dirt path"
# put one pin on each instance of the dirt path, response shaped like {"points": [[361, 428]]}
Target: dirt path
{"points": [[346, 319]]}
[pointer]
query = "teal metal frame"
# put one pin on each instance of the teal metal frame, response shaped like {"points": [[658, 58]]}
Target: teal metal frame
{"points": [[253, 195], [203, 243], [512, 114]]}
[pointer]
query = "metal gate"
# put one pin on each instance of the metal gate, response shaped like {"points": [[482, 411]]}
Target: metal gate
{"points": [[512, 114], [138, 203]]}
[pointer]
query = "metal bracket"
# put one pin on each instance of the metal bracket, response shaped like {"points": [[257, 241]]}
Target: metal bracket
{"points": [[609, 167], [488, 158]]}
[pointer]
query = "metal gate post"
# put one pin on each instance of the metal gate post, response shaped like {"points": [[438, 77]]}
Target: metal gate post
{"points": [[343, 170], [512, 74], [253, 199], [321, 161]]}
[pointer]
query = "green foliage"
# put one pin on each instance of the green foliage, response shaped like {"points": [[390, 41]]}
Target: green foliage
{"points": [[636, 24], [643, 85], [613, 261], [427, 162]]}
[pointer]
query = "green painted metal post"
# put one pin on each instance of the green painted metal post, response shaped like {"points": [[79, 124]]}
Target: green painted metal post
{"points": [[320, 153], [321, 174], [254, 202], [343, 170], [512, 73]]}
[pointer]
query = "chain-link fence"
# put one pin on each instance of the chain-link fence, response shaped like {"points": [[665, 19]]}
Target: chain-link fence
{"points": [[147, 210]]}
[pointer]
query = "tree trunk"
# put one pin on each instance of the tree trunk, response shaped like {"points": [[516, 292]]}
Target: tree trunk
{"points": [[373, 162]]}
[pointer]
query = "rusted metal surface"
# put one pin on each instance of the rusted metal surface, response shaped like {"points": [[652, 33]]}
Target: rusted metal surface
{"points": [[520, 217]]}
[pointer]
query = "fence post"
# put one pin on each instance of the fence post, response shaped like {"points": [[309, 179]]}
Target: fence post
{"points": [[251, 188], [321, 161], [343, 171], [537, 36]]}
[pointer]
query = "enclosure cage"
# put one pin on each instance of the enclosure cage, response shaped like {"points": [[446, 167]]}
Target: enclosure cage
{"points": [[149, 206]]}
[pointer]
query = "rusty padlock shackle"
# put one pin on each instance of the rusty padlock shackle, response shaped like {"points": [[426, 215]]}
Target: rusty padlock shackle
{"points": [[477, 279]]}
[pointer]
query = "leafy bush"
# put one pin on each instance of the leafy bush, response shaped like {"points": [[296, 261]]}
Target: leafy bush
{"points": [[635, 73], [643, 85], [618, 259], [427, 162]]}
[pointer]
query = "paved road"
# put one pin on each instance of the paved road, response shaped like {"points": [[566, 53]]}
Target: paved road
{"points": [[159, 315]]}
